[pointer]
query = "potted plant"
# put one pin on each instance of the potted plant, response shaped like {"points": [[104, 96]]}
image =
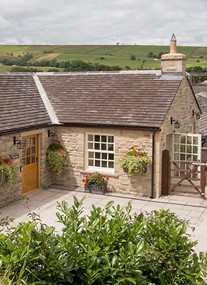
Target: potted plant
{"points": [[57, 157], [95, 183], [135, 161], [8, 171]]}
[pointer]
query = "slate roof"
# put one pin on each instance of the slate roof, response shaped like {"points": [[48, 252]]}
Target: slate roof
{"points": [[21, 106], [200, 88], [118, 99], [110, 99], [203, 124]]}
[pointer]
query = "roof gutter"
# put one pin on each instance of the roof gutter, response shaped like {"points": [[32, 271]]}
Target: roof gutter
{"points": [[96, 125], [23, 129]]}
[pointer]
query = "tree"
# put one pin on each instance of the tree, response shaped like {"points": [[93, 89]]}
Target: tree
{"points": [[132, 57]]}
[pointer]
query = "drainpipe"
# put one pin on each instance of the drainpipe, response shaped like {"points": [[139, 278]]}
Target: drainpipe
{"points": [[153, 168]]}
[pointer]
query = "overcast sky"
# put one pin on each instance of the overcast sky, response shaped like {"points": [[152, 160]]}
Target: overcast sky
{"points": [[103, 22]]}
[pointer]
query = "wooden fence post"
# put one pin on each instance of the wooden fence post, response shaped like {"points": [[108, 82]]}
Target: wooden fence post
{"points": [[203, 179], [165, 173]]}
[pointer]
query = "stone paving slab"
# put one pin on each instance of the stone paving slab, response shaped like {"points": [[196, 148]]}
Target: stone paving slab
{"points": [[44, 203]]}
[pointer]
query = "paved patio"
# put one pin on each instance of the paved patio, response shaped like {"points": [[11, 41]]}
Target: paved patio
{"points": [[44, 203]]}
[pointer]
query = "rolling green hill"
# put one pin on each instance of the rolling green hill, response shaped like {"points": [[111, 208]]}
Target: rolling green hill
{"points": [[125, 56]]}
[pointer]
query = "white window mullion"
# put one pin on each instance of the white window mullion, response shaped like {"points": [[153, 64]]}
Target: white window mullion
{"points": [[99, 157]]}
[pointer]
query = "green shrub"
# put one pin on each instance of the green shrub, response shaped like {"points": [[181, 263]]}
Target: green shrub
{"points": [[28, 254], [107, 246], [170, 258]]}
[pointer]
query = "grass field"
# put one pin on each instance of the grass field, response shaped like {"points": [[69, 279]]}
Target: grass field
{"points": [[104, 54]]}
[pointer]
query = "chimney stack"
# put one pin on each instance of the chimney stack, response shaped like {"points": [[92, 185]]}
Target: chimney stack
{"points": [[173, 62]]}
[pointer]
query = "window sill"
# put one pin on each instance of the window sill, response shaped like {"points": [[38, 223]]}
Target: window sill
{"points": [[108, 174]]}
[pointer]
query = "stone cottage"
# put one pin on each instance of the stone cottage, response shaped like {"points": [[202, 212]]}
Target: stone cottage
{"points": [[97, 117]]}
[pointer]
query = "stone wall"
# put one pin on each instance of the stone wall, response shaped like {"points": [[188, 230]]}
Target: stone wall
{"points": [[119, 182], [181, 110], [9, 194], [7, 148], [73, 138]]}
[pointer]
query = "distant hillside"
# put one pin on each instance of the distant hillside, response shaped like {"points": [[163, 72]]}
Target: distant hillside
{"points": [[45, 57]]}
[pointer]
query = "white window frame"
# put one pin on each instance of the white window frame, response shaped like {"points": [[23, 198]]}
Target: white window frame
{"points": [[194, 144], [99, 155]]}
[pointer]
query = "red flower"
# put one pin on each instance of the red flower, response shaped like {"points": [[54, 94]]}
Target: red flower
{"points": [[132, 147], [86, 185], [6, 162], [139, 149], [83, 180], [107, 178]]}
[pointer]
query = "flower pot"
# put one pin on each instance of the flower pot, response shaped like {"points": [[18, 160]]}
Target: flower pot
{"points": [[96, 189]]}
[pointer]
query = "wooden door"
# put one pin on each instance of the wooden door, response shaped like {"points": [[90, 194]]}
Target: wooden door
{"points": [[30, 164]]}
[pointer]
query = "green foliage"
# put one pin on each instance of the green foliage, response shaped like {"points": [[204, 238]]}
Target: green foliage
{"points": [[132, 57], [150, 54], [107, 246], [170, 258], [27, 255], [9, 171], [55, 146], [57, 157], [23, 69], [135, 161]]}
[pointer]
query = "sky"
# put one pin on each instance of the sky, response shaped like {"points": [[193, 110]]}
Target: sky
{"points": [[141, 22]]}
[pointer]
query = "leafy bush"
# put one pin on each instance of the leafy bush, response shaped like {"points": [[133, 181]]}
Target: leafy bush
{"points": [[27, 254], [132, 57], [170, 258], [108, 246]]}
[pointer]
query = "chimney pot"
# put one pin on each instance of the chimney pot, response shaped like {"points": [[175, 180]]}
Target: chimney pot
{"points": [[173, 44]]}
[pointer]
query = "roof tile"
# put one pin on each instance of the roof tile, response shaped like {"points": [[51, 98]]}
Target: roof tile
{"points": [[20, 103], [133, 100]]}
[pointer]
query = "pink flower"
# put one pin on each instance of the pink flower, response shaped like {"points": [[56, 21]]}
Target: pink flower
{"points": [[139, 149], [61, 150], [132, 147]]}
